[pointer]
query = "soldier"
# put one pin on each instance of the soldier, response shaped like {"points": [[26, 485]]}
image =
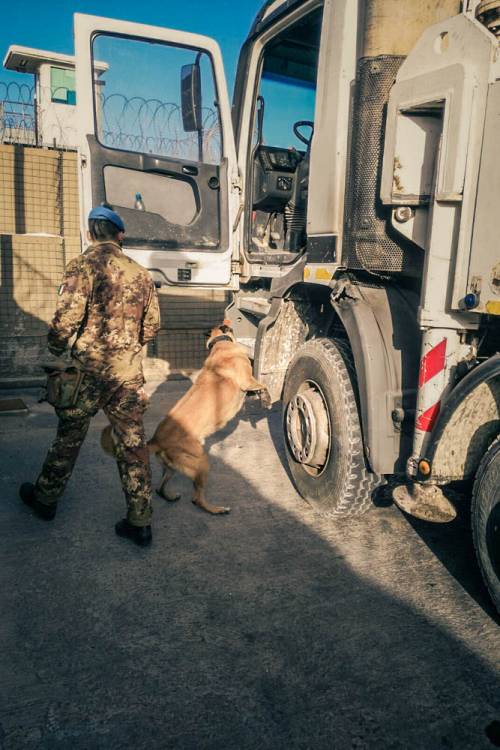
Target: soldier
{"points": [[110, 303]]}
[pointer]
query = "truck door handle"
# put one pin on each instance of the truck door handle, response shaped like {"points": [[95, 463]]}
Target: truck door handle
{"points": [[152, 164]]}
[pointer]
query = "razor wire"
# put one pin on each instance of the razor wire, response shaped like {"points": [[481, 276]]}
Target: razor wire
{"points": [[17, 113], [155, 127], [126, 123]]}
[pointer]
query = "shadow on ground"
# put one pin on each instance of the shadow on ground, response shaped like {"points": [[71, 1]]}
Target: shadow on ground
{"points": [[451, 543], [261, 630]]}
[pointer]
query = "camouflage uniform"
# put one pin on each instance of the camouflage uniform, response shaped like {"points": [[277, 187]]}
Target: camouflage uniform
{"points": [[110, 303]]}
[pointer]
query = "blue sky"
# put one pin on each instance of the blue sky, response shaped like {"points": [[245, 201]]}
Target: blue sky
{"points": [[49, 25]]}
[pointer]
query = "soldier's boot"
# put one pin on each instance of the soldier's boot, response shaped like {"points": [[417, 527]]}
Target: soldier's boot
{"points": [[141, 535], [27, 494]]}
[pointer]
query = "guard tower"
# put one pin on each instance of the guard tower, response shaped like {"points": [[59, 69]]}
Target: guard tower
{"points": [[54, 93]]}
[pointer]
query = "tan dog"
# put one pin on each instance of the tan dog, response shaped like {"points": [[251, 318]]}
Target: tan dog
{"points": [[211, 402]]}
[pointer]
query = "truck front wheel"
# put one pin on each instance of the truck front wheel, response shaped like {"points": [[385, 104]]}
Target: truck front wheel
{"points": [[486, 519], [323, 440]]}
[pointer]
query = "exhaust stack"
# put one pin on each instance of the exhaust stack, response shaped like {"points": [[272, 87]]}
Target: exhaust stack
{"points": [[392, 27], [488, 13]]}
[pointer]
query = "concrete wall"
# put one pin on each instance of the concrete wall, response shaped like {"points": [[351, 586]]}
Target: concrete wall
{"points": [[39, 234]]}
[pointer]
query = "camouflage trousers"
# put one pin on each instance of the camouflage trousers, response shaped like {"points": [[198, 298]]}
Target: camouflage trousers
{"points": [[124, 405]]}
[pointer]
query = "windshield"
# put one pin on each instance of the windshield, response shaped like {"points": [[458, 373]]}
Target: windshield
{"points": [[288, 80]]}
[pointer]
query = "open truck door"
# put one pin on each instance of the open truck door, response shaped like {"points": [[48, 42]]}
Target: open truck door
{"points": [[156, 142]]}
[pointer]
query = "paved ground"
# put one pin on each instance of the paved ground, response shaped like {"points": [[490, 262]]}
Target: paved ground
{"points": [[268, 629]]}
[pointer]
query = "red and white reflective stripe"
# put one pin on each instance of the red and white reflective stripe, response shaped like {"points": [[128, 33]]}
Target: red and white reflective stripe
{"points": [[426, 419], [432, 363], [441, 350], [431, 384]]}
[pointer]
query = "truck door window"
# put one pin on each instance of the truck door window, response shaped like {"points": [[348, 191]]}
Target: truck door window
{"points": [[138, 108], [282, 133]]}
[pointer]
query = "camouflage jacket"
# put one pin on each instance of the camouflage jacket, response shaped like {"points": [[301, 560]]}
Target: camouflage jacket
{"points": [[109, 301]]}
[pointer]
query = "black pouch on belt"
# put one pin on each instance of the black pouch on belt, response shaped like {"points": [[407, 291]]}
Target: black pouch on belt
{"points": [[63, 385]]}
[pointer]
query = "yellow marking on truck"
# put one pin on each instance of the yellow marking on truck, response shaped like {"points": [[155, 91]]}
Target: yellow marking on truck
{"points": [[315, 273], [493, 307], [322, 274]]}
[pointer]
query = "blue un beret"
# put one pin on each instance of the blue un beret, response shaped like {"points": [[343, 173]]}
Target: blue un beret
{"points": [[101, 212]]}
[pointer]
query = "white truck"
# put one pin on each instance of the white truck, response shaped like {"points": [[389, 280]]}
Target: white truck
{"points": [[348, 201]]}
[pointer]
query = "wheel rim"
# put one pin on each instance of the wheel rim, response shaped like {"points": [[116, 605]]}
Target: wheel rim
{"points": [[493, 539], [308, 429]]}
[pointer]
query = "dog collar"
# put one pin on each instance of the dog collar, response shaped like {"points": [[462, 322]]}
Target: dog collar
{"points": [[217, 339]]}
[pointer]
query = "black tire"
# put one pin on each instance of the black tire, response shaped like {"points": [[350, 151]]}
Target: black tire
{"points": [[343, 484], [485, 512]]}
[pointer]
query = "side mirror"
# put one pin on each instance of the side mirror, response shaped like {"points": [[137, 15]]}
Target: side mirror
{"points": [[191, 98]]}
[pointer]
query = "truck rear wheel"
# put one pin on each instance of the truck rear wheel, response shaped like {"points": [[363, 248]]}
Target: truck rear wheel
{"points": [[323, 440], [486, 520]]}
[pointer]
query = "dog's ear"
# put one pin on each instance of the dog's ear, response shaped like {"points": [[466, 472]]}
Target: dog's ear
{"points": [[226, 326]]}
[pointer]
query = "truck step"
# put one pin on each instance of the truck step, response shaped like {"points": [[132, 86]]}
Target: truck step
{"points": [[258, 306]]}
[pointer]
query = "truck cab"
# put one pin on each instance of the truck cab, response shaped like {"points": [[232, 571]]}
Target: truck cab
{"points": [[226, 197]]}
